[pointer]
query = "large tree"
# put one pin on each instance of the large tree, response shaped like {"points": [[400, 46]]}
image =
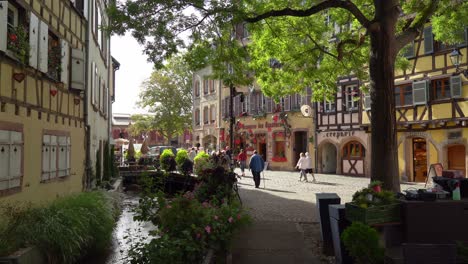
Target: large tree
{"points": [[167, 95], [296, 34]]}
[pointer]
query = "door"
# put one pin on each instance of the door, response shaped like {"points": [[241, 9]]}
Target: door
{"points": [[262, 150], [456, 158], [300, 145], [419, 160]]}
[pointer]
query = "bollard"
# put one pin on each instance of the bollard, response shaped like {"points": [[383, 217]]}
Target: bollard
{"points": [[323, 201], [338, 224]]}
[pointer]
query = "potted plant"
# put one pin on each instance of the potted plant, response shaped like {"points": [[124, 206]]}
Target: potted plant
{"points": [[362, 243], [376, 186], [373, 207]]}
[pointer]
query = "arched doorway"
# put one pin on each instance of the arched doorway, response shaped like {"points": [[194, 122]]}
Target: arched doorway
{"points": [[419, 147], [352, 158], [209, 142], [328, 155], [456, 156]]}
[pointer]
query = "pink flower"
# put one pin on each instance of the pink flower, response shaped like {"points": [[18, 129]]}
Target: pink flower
{"points": [[168, 206], [206, 204], [230, 220], [216, 217], [238, 216], [208, 229]]}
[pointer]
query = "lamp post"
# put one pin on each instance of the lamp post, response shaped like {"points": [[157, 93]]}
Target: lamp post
{"points": [[231, 107], [455, 58]]}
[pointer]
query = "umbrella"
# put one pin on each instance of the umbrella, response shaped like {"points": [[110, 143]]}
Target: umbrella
{"points": [[131, 150], [144, 147]]}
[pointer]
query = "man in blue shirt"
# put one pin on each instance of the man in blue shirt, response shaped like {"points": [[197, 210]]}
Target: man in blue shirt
{"points": [[256, 164]]}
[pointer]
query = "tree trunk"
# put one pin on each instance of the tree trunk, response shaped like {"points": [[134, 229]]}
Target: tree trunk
{"points": [[384, 155]]}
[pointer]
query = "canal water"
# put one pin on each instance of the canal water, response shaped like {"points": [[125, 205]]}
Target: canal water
{"points": [[126, 231]]}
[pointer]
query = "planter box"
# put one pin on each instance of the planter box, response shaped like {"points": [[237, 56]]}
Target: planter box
{"points": [[374, 214]]}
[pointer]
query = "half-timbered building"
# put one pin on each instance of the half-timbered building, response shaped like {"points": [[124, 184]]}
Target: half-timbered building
{"points": [[431, 97], [42, 79], [343, 147]]}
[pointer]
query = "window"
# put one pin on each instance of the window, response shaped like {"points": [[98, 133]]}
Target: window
{"points": [[12, 18], [11, 158], [352, 97], [296, 101], [353, 150], [441, 46], [56, 149], [245, 32], [329, 106], [54, 69], [404, 94], [440, 89], [197, 88], [213, 114], [205, 87], [205, 115], [279, 143], [212, 86], [428, 40], [408, 50], [197, 117]]}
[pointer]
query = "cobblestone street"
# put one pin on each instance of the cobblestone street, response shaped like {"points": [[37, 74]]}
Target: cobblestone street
{"points": [[285, 228], [284, 198]]}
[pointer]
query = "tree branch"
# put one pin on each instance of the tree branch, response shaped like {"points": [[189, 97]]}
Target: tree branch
{"points": [[413, 31], [346, 4]]}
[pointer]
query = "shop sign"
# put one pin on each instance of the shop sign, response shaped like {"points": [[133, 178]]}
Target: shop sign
{"points": [[339, 134], [417, 134]]}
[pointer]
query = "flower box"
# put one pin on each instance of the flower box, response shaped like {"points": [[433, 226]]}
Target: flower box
{"points": [[279, 159], [373, 214]]}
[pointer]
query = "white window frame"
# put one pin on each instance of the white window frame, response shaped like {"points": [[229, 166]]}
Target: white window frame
{"points": [[329, 107], [11, 146], [15, 14], [351, 104], [54, 164]]}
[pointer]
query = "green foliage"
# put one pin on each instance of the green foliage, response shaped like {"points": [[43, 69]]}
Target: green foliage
{"points": [[113, 167], [202, 162], [167, 160], [107, 163], [367, 197], [98, 167], [181, 156], [375, 183], [462, 252], [184, 164], [18, 43], [65, 230], [362, 243]]}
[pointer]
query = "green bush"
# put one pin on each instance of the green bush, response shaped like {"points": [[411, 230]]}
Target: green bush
{"points": [[65, 230], [167, 160], [202, 162], [181, 156], [184, 164], [362, 243]]}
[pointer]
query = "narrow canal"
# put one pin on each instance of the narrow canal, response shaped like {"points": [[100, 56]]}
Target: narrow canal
{"points": [[126, 231]]}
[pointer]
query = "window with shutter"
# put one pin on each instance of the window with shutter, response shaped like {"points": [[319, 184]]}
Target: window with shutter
{"points": [[456, 86], [420, 93], [56, 149], [54, 58], [4, 25], [78, 70], [329, 106], [404, 94], [269, 104], [408, 50], [367, 102], [205, 87], [253, 109], [11, 157], [440, 89], [428, 40], [43, 46]]}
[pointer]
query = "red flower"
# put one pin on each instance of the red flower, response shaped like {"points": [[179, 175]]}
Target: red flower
{"points": [[13, 37]]}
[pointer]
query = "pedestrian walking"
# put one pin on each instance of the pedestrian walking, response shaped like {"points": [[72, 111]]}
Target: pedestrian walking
{"points": [[192, 154], [309, 166], [242, 158], [256, 164], [302, 166]]}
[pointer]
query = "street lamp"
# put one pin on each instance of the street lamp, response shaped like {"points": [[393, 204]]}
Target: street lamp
{"points": [[232, 91], [455, 58]]}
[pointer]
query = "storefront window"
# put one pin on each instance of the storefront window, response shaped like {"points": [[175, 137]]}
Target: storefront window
{"points": [[279, 147]]}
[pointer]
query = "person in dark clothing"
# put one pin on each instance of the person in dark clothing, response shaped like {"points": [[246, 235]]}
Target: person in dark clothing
{"points": [[256, 164]]}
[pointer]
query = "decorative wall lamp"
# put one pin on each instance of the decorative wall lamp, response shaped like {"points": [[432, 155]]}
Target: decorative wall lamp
{"points": [[455, 58]]}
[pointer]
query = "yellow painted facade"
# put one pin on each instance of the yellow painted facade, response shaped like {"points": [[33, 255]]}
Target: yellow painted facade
{"points": [[42, 104], [434, 130]]}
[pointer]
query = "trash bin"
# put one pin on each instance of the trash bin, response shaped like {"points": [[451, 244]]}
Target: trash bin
{"points": [[323, 201], [339, 223]]}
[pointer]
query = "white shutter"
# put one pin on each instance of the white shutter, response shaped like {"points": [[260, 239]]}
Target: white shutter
{"points": [[367, 102], [62, 156], [68, 155], [65, 60], [420, 93], [287, 103], [269, 105], [46, 157], [85, 9], [33, 40], [455, 86], [53, 156], [3, 25], [43, 46], [78, 70]]}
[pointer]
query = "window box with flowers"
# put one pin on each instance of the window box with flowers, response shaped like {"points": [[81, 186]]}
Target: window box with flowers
{"points": [[279, 159], [18, 44], [54, 64]]}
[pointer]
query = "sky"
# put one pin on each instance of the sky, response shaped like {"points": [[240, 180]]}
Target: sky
{"points": [[134, 69]]}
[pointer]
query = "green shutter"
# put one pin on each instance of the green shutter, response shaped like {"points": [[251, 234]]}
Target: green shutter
{"points": [[428, 40], [456, 86], [420, 93]]}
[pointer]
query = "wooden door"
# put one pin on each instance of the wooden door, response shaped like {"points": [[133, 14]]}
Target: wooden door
{"points": [[456, 158], [419, 160]]}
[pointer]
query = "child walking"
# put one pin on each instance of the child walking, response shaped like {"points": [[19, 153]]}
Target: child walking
{"points": [[309, 166], [302, 165]]}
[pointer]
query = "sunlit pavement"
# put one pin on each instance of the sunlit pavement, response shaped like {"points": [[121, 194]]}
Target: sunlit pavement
{"points": [[281, 197]]}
